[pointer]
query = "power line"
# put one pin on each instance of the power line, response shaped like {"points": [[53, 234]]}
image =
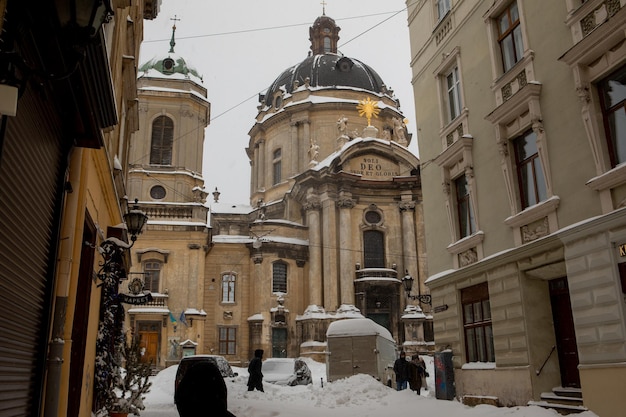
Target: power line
{"points": [[236, 32]]}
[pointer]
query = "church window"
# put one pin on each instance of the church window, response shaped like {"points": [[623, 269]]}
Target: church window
{"points": [[228, 340], [228, 288], [279, 277], [162, 141], [152, 275], [277, 165], [373, 217], [157, 192], [326, 44], [373, 249]]}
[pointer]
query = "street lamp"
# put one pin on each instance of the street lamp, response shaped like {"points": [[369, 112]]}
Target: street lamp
{"points": [[84, 17], [110, 328], [135, 220], [407, 281]]}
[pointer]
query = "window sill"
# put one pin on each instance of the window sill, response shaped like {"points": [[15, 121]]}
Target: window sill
{"points": [[480, 366], [610, 179], [534, 213], [466, 243]]}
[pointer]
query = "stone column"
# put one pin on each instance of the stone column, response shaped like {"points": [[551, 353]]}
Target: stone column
{"points": [[346, 264], [409, 244], [312, 208], [304, 148], [294, 149], [329, 252], [261, 169]]}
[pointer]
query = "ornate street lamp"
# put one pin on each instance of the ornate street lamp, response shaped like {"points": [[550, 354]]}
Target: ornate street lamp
{"points": [[135, 220], [407, 281]]}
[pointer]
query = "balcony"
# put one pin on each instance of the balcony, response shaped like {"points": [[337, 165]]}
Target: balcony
{"points": [[377, 274]]}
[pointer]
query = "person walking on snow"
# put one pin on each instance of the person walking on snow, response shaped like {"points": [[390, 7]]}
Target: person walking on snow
{"points": [[255, 378], [401, 369]]}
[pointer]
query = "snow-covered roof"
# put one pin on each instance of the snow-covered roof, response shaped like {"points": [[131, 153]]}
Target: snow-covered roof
{"points": [[357, 327]]}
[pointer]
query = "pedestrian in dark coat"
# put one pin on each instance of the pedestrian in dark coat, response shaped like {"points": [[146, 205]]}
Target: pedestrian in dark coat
{"points": [[202, 392], [401, 368], [416, 372], [255, 378]]}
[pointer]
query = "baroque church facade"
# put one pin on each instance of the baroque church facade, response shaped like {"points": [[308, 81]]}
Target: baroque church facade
{"points": [[333, 227], [334, 222]]}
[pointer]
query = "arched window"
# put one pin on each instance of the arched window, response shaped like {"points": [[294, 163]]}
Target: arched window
{"points": [[326, 44], [162, 141], [373, 249], [228, 288], [152, 275], [279, 277]]}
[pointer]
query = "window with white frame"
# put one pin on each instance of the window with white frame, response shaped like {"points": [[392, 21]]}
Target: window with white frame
{"points": [[510, 36], [228, 288], [465, 213], [477, 324], [277, 166], [443, 7], [531, 181], [227, 340], [453, 96], [279, 277], [612, 92]]}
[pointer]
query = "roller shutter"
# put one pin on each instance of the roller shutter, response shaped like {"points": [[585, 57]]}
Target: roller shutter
{"points": [[32, 165]]}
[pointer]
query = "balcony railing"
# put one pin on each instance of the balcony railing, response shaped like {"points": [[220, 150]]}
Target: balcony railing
{"points": [[376, 274]]}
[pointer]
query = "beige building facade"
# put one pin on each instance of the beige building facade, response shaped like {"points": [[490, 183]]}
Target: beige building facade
{"points": [[520, 109], [165, 176], [335, 216]]}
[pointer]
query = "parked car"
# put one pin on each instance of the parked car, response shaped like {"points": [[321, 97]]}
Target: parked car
{"points": [[286, 371], [186, 363]]}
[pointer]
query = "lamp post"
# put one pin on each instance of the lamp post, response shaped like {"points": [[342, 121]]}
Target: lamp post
{"points": [[110, 329], [407, 282]]}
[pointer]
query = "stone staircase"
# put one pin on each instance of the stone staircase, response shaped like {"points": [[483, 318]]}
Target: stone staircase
{"points": [[563, 400]]}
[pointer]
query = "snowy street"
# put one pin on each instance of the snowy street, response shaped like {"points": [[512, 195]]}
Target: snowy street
{"points": [[360, 395]]}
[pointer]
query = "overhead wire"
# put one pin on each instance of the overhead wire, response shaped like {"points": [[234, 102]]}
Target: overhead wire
{"points": [[184, 135]]}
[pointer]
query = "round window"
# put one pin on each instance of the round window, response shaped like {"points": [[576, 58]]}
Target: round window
{"points": [[373, 217], [168, 64], [157, 192], [278, 101]]}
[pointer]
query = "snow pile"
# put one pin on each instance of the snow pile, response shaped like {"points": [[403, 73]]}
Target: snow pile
{"points": [[359, 395]]}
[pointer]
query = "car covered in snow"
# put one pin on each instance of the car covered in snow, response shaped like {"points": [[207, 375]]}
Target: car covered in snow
{"points": [[286, 371]]}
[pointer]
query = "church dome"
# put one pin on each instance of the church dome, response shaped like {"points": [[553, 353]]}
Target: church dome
{"points": [[325, 67], [170, 65], [328, 70]]}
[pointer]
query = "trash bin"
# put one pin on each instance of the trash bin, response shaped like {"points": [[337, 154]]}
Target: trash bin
{"points": [[444, 376]]}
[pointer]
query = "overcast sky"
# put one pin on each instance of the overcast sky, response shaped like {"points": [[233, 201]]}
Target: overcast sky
{"points": [[240, 47]]}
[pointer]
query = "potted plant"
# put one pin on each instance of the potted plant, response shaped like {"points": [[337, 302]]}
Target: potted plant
{"points": [[130, 380]]}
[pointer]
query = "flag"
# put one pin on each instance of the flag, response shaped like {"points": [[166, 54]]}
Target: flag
{"points": [[183, 319], [172, 318]]}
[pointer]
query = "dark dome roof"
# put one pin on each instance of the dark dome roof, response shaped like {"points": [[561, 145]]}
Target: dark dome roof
{"points": [[328, 70]]}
